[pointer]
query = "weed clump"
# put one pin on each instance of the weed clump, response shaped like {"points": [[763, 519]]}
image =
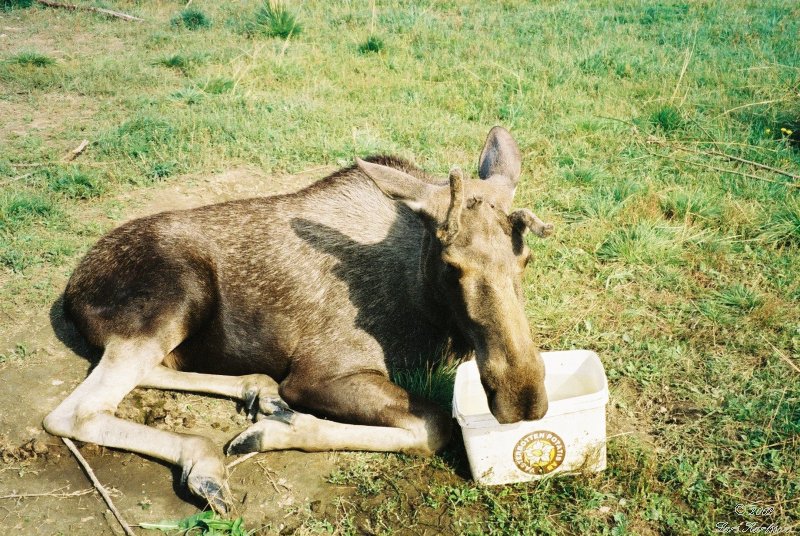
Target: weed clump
{"points": [[219, 85], [20, 209], [8, 5], [680, 205], [640, 244], [76, 184], [33, 59], [272, 19], [667, 118], [162, 170], [372, 44], [191, 18], [783, 226], [139, 137], [177, 62]]}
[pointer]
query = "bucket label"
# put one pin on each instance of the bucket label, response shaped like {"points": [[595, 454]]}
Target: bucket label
{"points": [[539, 452]]}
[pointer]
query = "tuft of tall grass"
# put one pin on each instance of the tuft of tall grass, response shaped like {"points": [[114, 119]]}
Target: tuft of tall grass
{"points": [[372, 44], [642, 243], [138, 138], [272, 19], [691, 206], [433, 381], [191, 18], [19, 209], [76, 184], [783, 225], [218, 85], [8, 5], [667, 118], [34, 59]]}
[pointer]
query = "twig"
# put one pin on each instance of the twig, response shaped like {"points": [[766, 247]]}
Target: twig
{"points": [[18, 178], [55, 493], [748, 105], [730, 157], [241, 459], [98, 486], [73, 154], [772, 420], [689, 54], [759, 165], [782, 355], [723, 170], [101, 10]]}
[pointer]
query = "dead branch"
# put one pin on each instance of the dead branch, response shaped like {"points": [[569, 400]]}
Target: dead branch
{"points": [[75, 153], [101, 10], [782, 355], [722, 170], [17, 178], [98, 486], [662, 143], [240, 459], [55, 493]]}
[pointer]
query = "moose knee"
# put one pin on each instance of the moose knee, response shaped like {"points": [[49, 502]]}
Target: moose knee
{"points": [[432, 433], [439, 428]]}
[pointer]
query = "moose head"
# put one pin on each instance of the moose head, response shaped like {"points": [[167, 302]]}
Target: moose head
{"points": [[474, 260]]}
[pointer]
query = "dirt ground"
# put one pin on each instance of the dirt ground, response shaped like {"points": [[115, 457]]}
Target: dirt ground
{"points": [[274, 488]]}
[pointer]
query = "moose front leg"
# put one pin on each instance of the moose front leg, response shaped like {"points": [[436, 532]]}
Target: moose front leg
{"points": [[258, 392], [384, 417]]}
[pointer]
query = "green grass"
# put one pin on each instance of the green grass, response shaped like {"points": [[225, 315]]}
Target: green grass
{"points": [[372, 44], [8, 5], [203, 523], [191, 18], [33, 59], [671, 263], [272, 18], [76, 184]]}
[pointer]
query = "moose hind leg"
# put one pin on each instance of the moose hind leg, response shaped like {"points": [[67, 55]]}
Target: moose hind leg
{"points": [[385, 418], [87, 414]]}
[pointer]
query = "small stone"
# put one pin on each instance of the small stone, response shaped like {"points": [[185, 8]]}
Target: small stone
{"points": [[39, 447]]}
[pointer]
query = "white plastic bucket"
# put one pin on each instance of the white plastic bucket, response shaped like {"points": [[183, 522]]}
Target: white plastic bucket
{"points": [[570, 437]]}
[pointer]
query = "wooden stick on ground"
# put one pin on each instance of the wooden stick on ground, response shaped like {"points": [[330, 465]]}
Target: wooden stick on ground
{"points": [[55, 493], [101, 10], [75, 153], [662, 143], [98, 486]]}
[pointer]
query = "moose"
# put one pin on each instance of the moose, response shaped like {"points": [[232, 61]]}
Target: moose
{"points": [[301, 305]]}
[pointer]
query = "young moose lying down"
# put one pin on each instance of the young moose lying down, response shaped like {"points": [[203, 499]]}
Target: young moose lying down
{"points": [[307, 301]]}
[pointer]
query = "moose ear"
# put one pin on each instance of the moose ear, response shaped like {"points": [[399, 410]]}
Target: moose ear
{"points": [[523, 220], [398, 184], [500, 160]]}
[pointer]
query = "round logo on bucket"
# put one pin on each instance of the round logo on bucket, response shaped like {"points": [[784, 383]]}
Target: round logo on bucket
{"points": [[539, 452]]}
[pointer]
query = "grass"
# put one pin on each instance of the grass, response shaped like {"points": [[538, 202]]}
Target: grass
{"points": [[205, 523], [273, 18], [682, 277], [372, 44], [33, 59], [191, 18]]}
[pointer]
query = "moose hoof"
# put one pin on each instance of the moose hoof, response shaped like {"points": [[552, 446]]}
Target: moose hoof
{"points": [[255, 404], [210, 490], [270, 433]]}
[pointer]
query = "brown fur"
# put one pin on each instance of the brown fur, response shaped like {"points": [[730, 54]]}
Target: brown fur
{"points": [[325, 291]]}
